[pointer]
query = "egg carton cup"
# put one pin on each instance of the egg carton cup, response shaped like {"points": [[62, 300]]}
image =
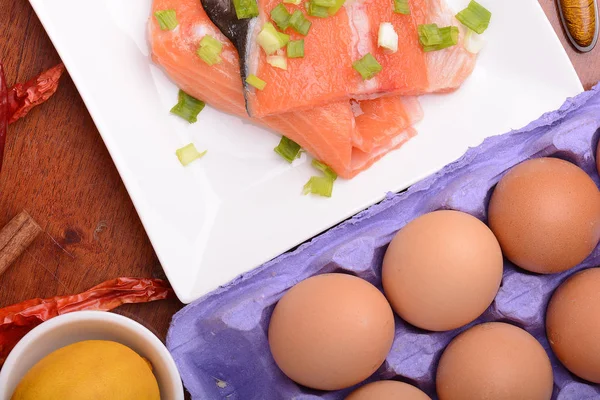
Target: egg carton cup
{"points": [[220, 344]]}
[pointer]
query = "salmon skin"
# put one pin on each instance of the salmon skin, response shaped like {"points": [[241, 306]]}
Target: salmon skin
{"points": [[347, 137], [325, 73], [222, 15]]}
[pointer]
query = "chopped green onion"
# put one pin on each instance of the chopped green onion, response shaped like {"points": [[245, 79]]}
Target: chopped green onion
{"points": [[304, 27], [336, 7], [387, 37], [295, 2], [324, 3], [208, 56], [401, 7], [367, 66], [315, 10], [288, 149], [187, 107], [167, 19], [320, 185], [475, 17], [295, 49], [270, 39], [429, 35], [474, 42], [325, 169], [283, 38], [449, 37], [281, 16], [296, 18], [277, 61], [210, 50], [300, 23], [245, 8], [256, 82], [188, 153], [211, 42]]}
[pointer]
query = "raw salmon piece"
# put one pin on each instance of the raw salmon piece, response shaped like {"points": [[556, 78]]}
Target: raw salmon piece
{"points": [[448, 68], [403, 72], [379, 121], [325, 74], [362, 160], [329, 133], [445, 69]]}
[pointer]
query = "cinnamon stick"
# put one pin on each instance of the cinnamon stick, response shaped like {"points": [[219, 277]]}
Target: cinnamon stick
{"points": [[15, 237]]}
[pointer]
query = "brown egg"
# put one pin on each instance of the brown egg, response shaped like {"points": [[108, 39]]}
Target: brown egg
{"points": [[545, 213], [573, 324], [442, 270], [494, 361], [331, 331], [388, 390]]}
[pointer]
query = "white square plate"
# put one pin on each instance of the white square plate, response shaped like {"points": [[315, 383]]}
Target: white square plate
{"points": [[241, 205]]}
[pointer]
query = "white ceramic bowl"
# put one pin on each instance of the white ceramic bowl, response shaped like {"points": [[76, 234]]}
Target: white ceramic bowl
{"points": [[89, 325]]}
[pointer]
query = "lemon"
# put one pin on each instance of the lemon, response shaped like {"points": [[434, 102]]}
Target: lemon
{"points": [[91, 370]]}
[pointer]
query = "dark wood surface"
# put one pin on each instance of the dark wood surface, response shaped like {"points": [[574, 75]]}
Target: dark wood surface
{"points": [[58, 169]]}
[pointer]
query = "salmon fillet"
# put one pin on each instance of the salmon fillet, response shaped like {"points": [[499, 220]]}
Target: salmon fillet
{"points": [[325, 74], [347, 137], [377, 120]]}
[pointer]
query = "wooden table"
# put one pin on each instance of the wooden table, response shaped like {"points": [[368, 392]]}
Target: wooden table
{"points": [[58, 169]]}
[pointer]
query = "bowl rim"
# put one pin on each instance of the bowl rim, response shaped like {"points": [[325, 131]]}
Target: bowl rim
{"points": [[93, 315]]}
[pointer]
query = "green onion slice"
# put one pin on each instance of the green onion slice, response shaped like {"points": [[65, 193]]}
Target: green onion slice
{"points": [[256, 82], [211, 42], [304, 27], [295, 2], [449, 37], [401, 7], [288, 149], [336, 7], [210, 50], [167, 19], [324, 3], [316, 10], [325, 169], [245, 8], [473, 42], [319, 185], [208, 56], [270, 39], [277, 61], [429, 35], [295, 49], [281, 16], [367, 66], [189, 153], [187, 107], [475, 17], [300, 23], [387, 38]]}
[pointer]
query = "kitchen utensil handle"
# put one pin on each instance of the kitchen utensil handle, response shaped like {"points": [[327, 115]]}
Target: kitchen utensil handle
{"points": [[580, 20]]}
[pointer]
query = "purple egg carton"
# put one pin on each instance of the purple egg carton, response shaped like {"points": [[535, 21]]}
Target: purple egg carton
{"points": [[220, 341]]}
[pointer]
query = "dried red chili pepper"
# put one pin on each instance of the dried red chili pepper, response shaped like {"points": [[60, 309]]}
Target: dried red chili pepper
{"points": [[3, 113], [22, 97], [17, 101], [18, 319]]}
